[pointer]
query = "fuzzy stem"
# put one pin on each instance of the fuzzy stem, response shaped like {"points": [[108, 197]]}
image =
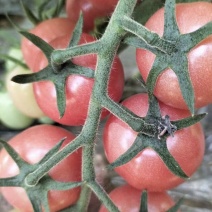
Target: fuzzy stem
{"points": [[151, 38]]}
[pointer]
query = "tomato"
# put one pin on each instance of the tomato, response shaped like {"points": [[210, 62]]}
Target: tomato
{"points": [[14, 53], [190, 17], [78, 88], [127, 199], [10, 116], [91, 10], [147, 170], [22, 94], [32, 144], [47, 30]]}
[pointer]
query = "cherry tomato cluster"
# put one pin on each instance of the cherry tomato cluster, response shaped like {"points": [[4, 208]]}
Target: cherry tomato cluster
{"points": [[146, 171]]}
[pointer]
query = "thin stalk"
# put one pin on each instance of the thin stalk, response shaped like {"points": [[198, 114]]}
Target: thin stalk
{"points": [[151, 38]]}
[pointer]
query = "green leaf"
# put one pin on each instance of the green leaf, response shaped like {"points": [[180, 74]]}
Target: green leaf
{"points": [[144, 203], [59, 7], [77, 32], [186, 122], [40, 43], [29, 14]]}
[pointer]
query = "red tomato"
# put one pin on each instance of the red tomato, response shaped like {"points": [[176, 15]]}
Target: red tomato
{"points": [[91, 10], [127, 199], [47, 30], [78, 88], [32, 144], [190, 17], [147, 170]]}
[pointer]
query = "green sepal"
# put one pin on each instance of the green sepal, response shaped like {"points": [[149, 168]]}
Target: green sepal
{"points": [[171, 52], [29, 13], [38, 193], [186, 122], [144, 204], [13, 154], [160, 147], [137, 146], [77, 32], [171, 30], [188, 41], [10, 182], [48, 74], [40, 43], [53, 151], [176, 207]]}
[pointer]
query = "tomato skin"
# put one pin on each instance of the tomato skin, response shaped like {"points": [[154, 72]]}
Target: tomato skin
{"points": [[22, 94], [91, 10], [190, 17], [127, 199], [78, 88], [32, 144], [47, 30], [147, 170]]}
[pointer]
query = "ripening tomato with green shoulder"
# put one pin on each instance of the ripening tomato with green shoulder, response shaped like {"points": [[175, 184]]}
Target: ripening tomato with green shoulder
{"points": [[32, 144], [22, 94], [78, 88], [128, 199], [47, 30], [190, 17], [147, 170]]}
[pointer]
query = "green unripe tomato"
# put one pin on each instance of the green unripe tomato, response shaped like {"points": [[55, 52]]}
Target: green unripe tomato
{"points": [[16, 54], [10, 116], [22, 94]]}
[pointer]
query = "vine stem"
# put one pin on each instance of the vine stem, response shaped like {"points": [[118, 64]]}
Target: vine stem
{"points": [[106, 48]]}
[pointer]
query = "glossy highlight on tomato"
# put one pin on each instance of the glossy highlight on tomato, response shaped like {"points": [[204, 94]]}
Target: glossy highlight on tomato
{"points": [[190, 17], [47, 30], [32, 144], [78, 88], [147, 170], [127, 199]]}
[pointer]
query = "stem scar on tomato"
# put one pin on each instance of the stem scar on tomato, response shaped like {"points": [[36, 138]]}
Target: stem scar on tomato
{"points": [[165, 126]]}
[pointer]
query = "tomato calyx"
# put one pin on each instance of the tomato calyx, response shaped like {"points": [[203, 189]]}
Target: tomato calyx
{"points": [[157, 141], [51, 71], [171, 50], [36, 191]]}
